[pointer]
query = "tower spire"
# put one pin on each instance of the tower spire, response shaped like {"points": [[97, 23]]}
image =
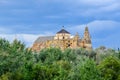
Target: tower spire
{"points": [[87, 39], [86, 28], [87, 35]]}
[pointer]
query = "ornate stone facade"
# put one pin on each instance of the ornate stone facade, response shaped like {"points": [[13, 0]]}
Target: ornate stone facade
{"points": [[63, 40]]}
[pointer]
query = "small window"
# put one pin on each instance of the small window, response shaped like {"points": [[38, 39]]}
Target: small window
{"points": [[68, 45], [63, 37]]}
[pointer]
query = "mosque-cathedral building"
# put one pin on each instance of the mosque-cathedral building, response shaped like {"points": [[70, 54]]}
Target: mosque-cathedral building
{"points": [[63, 40]]}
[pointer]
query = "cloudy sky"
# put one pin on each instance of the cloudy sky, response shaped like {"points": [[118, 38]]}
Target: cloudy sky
{"points": [[29, 19]]}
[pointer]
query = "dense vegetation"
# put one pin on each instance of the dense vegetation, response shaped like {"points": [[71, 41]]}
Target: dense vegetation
{"points": [[19, 63]]}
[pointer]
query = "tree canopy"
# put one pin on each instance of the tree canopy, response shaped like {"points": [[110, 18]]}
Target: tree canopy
{"points": [[20, 63]]}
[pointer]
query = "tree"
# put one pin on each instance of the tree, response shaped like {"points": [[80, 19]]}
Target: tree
{"points": [[89, 71], [50, 55], [13, 56], [40, 72], [110, 68]]}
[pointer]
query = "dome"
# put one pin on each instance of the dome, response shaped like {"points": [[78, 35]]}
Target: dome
{"points": [[63, 31]]}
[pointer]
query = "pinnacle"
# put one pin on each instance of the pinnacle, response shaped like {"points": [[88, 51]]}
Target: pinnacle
{"points": [[86, 28]]}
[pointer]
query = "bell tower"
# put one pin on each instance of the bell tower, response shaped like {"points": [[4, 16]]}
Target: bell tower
{"points": [[87, 39]]}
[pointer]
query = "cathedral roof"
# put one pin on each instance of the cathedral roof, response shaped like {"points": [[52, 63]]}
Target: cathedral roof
{"points": [[63, 31], [44, 38]]}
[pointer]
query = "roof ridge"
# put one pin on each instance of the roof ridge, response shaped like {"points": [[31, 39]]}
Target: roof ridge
{"points": [[63, 31]]}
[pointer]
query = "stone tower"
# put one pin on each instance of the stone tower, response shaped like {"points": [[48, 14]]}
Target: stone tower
{"points": [[87, 39]]}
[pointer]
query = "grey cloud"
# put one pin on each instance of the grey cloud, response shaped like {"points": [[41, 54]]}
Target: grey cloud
{"points": [[97, 25]]}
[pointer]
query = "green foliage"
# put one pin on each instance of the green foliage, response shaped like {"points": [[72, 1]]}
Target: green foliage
{"points": [[50, 55], [110, 68], [103, 53], [89, 71], [69, 55], [19, 63], [12, 56], [6, 76], [39, 72], [4, 45]]}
